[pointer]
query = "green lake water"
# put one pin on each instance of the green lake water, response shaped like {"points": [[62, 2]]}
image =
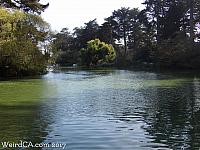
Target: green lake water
{"points": [[103, 110]]}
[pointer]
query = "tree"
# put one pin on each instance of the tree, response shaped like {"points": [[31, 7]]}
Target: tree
{"points": [[105, 33], [68, 44], [122, 25], [97, 52], [19, 39], [191, 6], [194, 17], [172, 21], [154, 13], [171, 17], [108, 31], [135, 33], [148, 30], [63, 40], [65, 48], [84, 34], [26, 5]]}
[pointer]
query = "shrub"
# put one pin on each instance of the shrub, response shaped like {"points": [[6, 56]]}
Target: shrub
{"points": [[97, 53]]}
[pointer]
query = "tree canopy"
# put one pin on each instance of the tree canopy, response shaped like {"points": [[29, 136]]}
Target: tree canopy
{"points": [[153, 35], [27, 5], [19, 38], [97, 53]]}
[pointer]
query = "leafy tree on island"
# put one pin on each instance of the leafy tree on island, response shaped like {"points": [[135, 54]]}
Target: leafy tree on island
{"points": [[97, 53]]}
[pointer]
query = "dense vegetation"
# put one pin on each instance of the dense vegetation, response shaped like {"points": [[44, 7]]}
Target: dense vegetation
{"points": [[164, 34], [97, 53], [21, 40]]}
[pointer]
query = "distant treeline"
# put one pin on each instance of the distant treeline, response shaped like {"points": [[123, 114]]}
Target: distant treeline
{"points": [[164, 34]]}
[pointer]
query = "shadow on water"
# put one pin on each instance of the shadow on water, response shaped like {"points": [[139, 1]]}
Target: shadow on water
{"points": [[173, 118], [169, 106], [22, 116], [22, 123]]}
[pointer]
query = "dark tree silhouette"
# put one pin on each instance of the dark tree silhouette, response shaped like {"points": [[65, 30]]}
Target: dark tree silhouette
{"points": [[26, 5]]}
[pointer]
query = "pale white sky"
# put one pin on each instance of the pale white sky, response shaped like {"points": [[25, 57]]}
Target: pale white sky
{"points": [[74, 13]]}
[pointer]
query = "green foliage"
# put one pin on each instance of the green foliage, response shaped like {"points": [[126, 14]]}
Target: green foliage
{"points": [[22, 58], [97, 53], [171, 17], [19, 39], [179, 52], [122, 20], [105, 32], [128, 25], [64, 48], [66, 45], [68, 58], [26, 5], [84, 34], [164, 33]]}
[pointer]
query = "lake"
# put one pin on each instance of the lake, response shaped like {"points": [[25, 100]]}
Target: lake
{"points": [[106, 109]]}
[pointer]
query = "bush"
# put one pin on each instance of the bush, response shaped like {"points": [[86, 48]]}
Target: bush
{"points": [[97, 53]]}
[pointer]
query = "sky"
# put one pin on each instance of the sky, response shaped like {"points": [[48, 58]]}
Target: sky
{"points": [[74, 13]]}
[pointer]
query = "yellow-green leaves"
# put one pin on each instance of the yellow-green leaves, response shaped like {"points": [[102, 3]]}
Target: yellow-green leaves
{"points": [[97, 52], [20, 34], [8, 23]]}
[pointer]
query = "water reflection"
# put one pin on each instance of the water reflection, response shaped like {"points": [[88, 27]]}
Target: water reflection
{"points": [[103, 109], [171, 118]]}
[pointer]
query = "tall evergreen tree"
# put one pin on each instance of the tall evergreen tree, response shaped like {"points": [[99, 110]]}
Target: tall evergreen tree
{"points": [[135, 34], [107, 31], [155, 11], [84, 34], [172, 16], [121, 17]]}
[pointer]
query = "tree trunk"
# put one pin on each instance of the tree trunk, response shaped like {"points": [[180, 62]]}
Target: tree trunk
{"points": [[125, 42], [191, 20], [157, 14]]}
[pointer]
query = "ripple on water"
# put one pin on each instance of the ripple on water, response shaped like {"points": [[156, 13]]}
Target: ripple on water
{"points": [[104, 109]]}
